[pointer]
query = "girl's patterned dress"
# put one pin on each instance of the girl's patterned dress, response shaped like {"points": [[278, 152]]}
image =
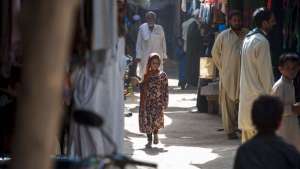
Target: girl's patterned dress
{"points": [[154, 100]]}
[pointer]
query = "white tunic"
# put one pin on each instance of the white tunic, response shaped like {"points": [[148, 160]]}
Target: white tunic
{"points": [[256, 76], [289, 128], [149, 42], [99, 90]]}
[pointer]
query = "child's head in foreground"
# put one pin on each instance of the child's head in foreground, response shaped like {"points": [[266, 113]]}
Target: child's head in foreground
{"points": [[267, 113]]}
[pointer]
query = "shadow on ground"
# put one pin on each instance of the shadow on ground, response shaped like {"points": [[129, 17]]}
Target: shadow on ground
{"points": [[194, 130], [153, 151], [170, 109]]}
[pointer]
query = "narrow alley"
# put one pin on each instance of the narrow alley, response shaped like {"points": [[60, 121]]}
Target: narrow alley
{"points": [[190, 140], [168, 84]]}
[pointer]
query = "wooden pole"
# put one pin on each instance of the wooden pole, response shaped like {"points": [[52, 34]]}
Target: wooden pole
{"points": [[46, 34]]}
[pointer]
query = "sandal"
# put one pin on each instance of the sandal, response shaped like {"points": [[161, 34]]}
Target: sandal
{"points": [[148, 145], [149, 138]]}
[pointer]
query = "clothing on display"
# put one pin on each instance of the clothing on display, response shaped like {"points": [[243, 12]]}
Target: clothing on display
{"points": [[206, 13], [291, 25]]}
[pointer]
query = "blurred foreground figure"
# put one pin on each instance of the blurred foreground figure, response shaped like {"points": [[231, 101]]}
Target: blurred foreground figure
{"points": [[266, 150], [98, 88]]}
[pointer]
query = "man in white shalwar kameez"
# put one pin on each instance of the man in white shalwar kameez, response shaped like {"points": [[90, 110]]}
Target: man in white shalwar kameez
{"points": [[226, 54], [256, 69], [151, 39]]}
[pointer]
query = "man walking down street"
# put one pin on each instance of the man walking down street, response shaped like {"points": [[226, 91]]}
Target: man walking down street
{"points": [[256, 69], [226, 56], [151, 39]]}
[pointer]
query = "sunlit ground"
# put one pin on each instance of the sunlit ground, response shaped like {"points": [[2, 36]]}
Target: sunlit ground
{"points": [[177, 156], [167, 157]]}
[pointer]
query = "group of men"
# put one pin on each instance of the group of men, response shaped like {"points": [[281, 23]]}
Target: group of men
{"points": [[245, 70]]}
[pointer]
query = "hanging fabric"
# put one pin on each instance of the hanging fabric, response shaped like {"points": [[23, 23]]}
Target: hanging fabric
{"points": [[269, 4], [211, 1], [275, 37], [297, 28], [224, 6], [15, 51], [291, 10], [103, 26], [6, 25], [194, 5], [206, 13], [183, 5], [10, 36]]}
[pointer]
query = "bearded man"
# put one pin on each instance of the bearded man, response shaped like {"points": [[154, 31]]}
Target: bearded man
{"points": [[226, 54]]}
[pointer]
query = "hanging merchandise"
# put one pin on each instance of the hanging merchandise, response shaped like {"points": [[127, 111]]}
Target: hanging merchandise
{"points": [[5, 37], [103, 26], [249, 6], [183, 5], [235, 5], [224, 5], [286, 23], [269, 4], [297, 34], [211, 1], [291, 25], [15, 51], [202, 12], [206, 12], [218, 14], [10, 50], [194, 5], [297, 28], [275, 36]]}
